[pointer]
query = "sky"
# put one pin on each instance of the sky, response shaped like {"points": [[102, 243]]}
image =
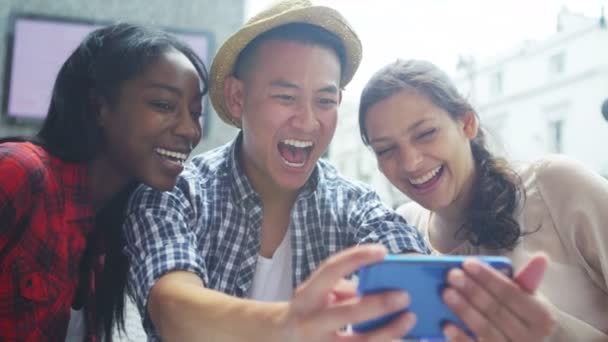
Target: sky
{"points": [[442, 30]]}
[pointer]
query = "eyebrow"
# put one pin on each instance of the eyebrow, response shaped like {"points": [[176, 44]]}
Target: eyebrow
{"points": [[409, 129], [283, 84], [164, 87], [169, 88], [332, 89]]}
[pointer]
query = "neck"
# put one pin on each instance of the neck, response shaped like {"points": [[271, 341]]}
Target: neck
{"points": [[445, 222], [105, 181], [270, 193]]}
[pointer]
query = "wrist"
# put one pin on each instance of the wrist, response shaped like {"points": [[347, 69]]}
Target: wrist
{"points": [[276, 322]]}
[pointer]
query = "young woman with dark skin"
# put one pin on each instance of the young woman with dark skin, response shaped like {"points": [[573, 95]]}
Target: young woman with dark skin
{"points": [[125, 109]]}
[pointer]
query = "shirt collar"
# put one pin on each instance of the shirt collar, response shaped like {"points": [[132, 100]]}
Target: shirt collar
{"points": [[242, 188]]}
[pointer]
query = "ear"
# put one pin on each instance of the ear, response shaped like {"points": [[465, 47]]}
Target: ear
{"points": [[234, 98], [339, 96], [470, 124]]}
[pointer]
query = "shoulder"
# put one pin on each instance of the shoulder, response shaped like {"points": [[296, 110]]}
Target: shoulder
{"points": [[333, 180], [558, 174], [22, 154], [23, 160], [25, 172], [413, 213]]}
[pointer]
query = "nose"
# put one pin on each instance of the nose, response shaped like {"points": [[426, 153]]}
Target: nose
{"points": [[305, 119], [188, 127], [410, 159]]}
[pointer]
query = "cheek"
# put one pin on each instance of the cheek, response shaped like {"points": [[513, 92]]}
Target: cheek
{"points": [[386, 166]]}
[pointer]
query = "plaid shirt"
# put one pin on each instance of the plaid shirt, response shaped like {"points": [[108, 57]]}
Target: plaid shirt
{"points": [[209, 225], [45, 217]]}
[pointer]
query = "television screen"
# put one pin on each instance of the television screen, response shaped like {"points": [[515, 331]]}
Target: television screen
{"points": [[40, 45]]}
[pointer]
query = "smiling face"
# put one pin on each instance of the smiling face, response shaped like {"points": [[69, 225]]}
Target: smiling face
{"points": [[421, 149], [152, 124], [287, 105]]}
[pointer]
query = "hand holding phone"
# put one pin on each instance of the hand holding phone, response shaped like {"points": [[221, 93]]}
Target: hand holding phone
{"points": [[424, 279]]}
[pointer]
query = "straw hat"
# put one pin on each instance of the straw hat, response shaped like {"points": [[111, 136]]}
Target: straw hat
{"points": [[281, 13]]}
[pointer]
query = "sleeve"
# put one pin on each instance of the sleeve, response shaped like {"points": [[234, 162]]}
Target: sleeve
{"points": [[160, 237], [577, 199], [21, 179], [374, 222]]}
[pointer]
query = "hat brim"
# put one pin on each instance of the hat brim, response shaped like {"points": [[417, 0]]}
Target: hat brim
{"points": [[325, 17]]}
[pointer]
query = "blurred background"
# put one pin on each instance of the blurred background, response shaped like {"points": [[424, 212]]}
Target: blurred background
{"points": [[537, 72]]}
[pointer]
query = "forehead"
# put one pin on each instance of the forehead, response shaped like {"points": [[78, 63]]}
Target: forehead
{"points": [[283, 58], [169, 64]]}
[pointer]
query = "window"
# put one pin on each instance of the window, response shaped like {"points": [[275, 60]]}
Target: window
{"points": [[556, 135], [496, 83], [555, 117], [557, 64], [495, 128]]}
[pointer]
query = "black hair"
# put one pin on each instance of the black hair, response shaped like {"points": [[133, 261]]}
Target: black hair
{"points": [[104, 60], [298, 32], [489, 218]]}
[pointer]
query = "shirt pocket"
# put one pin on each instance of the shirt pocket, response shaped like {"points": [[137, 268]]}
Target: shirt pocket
{"points": [[36, 281], [33, 300]]}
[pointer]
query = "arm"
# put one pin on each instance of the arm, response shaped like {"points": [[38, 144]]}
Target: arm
{"points": [[16, 191], [182, 309], [576, 200], [168, 278]]}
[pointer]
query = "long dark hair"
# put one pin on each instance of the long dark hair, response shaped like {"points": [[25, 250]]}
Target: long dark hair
{"points": [[489, 220], [98, 67]]}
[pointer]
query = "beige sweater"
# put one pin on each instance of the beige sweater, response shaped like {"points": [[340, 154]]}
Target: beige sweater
{"points": [[568, 206]]}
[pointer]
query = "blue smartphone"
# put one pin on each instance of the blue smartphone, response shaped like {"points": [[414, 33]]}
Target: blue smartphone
{"points": [[424, 279]]}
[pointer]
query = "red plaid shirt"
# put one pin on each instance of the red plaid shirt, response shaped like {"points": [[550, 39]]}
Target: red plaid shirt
{"points": [[45, 220]]}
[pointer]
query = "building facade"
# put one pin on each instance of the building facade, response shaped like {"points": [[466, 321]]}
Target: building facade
{"points": [[546, 96]]}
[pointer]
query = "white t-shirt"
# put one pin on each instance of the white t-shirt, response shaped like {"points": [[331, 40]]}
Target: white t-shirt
{"points": [[272, 278]]}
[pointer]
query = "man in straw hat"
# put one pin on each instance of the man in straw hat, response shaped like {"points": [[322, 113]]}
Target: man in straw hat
{"points": [[250, 221]]}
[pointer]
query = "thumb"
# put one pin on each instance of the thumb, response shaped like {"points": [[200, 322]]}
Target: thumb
{"points": [[530, 276]]}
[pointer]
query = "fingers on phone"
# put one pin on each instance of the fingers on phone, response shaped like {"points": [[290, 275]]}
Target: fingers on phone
{"points": [[479, 323], [313, 292], [524, 305], [454, 334], [396, 329], [360, 309], [493, 310]]}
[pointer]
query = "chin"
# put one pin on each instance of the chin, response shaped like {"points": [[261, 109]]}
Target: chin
{"points": [[162, 184]]}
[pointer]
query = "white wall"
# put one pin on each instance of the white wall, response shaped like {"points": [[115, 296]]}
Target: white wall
{"points": [[533, 95]]}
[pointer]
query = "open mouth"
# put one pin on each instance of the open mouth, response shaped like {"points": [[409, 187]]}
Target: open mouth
{"points": [[174, 157], [295, 153], [428, 179]]}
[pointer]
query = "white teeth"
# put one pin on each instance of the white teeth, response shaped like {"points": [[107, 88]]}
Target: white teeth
{"points": [[426, 177], [293, 164], [181, 157], [297, 143]]}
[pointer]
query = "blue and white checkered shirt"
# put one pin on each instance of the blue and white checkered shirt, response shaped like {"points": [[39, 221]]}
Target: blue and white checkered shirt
{"points": [[209, 225]]}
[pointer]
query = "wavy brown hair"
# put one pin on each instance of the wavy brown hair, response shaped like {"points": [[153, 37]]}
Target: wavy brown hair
{"points": [[489, 220]]}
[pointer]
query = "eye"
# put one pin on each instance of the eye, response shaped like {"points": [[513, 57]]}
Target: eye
{"points": [[426, 134], [284, 97], [383, 151], [327, 101], [163, 106]]}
